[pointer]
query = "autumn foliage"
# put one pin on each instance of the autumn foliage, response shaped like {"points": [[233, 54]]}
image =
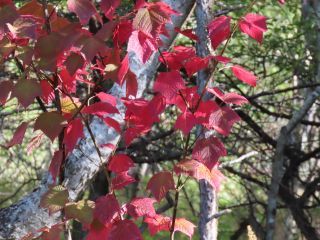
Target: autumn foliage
{"points": [[55, 55]]}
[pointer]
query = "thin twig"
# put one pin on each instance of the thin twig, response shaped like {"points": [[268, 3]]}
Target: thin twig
{"points": [[238, 160], [219, 214], [178, 187]]}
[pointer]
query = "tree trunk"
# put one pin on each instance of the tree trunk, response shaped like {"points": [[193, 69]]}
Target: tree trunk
{"points": [[208, 199], [208, 207]]}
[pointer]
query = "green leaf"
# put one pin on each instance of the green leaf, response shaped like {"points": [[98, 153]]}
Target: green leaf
{"points": [[55, 198], [82, 211]]}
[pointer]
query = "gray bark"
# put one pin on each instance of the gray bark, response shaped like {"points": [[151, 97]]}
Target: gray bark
{"points": [[208, 226], [84, 163]]}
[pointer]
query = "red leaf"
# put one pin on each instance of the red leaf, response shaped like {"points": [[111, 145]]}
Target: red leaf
{"points": [[234, 98], [131, 84], [5, 2], [34, 142], [109, 7], [52, 233], [163, 223], [155, 107], [6, 48], [123, 70], [98, 231], [124, 230], [54, 168], [134, 106], [139, 4], [141, 115], [174, 60], [18, 135], [106, 209], [222, 120], [158, 223], [104, 97], [133, 132], [91, 46], [100, 109], [139, 207], [68, 81], [152, 19], [35, 9], [26, 90], [50, 123], [244, 75], [72, 133], [185, 122], [109, 145], [254, 25], [83, 8], [219, 30], [230, 98], [112, 123], [208, 151], [160, 184], [122, 32], [120, 163], [47, 91], [204, 110], [6, 87], [188, 33], [195, 64], [26, 55], [23, 27], [121, 180], [48, 48], [142, 45], [169, 84], [187, 98], [74, 62], [107, 30], [184, 226], [8, 14], [194, 169], [222, 59]]}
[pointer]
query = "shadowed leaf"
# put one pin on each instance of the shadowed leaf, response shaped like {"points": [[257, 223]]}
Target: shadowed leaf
{"points": [[55, 198], [131, 231], [50, 123], [26, 91], [82, 211]]}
